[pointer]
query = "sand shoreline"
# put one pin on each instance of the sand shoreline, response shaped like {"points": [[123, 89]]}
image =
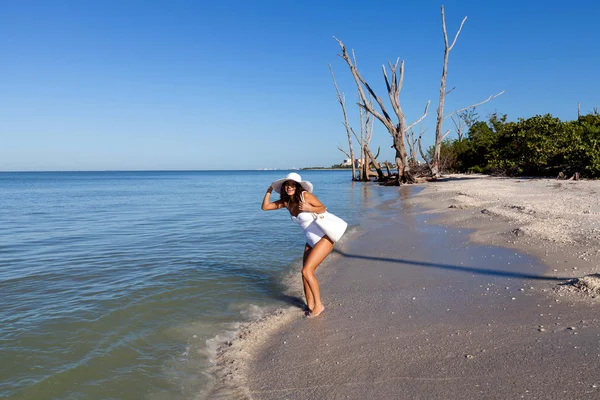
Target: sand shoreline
{"points": [[377, 325], [556, 221]]}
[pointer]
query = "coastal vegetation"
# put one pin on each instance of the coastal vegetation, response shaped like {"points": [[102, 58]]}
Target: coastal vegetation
{"points": [[542, 145]]}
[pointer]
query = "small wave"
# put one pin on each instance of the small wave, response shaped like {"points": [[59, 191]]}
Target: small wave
{"points": [[232, 355]]}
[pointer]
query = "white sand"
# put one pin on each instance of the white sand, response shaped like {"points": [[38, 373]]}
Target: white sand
{"points": [[415, 310], [559, 211], [547, 218]]}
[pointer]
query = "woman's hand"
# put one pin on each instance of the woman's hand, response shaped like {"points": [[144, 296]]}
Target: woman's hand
{"points": [[311, 204], [307, 207], [267, 204], [304, 207]]}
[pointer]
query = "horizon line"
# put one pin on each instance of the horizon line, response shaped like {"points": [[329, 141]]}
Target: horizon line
{"points": [[172, 170]]}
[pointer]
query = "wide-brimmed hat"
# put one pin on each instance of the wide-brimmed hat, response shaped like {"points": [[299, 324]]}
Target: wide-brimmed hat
{"points": [[306, 185]]}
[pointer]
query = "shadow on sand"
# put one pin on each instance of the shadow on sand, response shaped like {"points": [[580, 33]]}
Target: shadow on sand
{"points": [[472, 270]]}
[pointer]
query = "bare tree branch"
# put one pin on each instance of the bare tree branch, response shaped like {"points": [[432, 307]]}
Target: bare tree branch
{"points": [[378, 150], [344, 151], [420, 119], [459, 126], [385, 118], [342, 102], [474, 105], [357, 138], [423, 155], [446, 35], [446, 134], [396, 87]]}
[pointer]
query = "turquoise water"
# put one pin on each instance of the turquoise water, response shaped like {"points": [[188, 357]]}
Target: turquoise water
{"points": [[117, 285]]}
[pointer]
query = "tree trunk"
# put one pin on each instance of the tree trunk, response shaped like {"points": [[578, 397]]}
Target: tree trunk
{"points": [[365, 175], [402, 161], [435, 165], [380, 175]]}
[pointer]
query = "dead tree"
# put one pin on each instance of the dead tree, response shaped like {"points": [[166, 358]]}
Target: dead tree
{"points": [[366, 129], [462, 120], [439, 137], [397, 130], [340, 98], [411, 142], [412, 145], [435, 170], [366, 133]]}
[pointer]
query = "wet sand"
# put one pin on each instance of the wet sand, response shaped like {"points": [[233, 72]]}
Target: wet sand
{"points": [[458, 291]]}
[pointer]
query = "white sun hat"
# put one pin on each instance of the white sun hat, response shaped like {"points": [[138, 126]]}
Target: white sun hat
{"points": [[292, 176]]}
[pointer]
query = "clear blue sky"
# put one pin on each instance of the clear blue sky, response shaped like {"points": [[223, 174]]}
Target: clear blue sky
{"points": [[102, 84]]}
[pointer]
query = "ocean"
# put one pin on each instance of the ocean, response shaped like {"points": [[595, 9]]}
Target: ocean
{"points": [[120, 285]]}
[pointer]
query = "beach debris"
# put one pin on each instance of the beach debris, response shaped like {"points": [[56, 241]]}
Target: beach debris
{"points": [[518, 232], [469, 356], [589, 284]]}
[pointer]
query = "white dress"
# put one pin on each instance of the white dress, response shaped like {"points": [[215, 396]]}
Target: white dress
{"points": [[306, 221]]}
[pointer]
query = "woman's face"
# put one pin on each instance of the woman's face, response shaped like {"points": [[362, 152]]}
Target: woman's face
{"points": [[289, 187]]}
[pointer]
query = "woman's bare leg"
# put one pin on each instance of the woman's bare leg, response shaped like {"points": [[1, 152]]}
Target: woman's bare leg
{"points": [[313, 260], [310, 299]]}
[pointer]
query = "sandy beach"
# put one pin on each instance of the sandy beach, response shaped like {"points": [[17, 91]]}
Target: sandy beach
{"points": [[468, 287]]}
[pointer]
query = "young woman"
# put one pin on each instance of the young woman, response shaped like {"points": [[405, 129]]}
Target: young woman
{"points": [[297, 197]]}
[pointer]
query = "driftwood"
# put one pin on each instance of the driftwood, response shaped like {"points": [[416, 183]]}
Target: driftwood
{"points": [[562, 176]]}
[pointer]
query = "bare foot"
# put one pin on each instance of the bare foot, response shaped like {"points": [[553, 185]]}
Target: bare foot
{"points": [[317, 311]]}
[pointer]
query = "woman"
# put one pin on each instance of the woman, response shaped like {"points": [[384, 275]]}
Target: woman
{"points": [[297, 197]]}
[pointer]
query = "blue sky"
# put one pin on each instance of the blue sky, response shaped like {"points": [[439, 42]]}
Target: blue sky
{"points": [[137, 85]]}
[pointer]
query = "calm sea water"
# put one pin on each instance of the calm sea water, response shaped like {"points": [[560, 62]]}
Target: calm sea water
{"points": [[114, 285]]}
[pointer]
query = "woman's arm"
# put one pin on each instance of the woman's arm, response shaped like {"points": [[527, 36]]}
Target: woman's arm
{"points": [[267, 204], [312, 204]]}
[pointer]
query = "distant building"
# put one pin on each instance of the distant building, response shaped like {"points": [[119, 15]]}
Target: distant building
{"points": [[347, 162]]}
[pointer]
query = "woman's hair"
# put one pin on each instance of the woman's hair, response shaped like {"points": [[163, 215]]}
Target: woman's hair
{"points": [[297, 194]]}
